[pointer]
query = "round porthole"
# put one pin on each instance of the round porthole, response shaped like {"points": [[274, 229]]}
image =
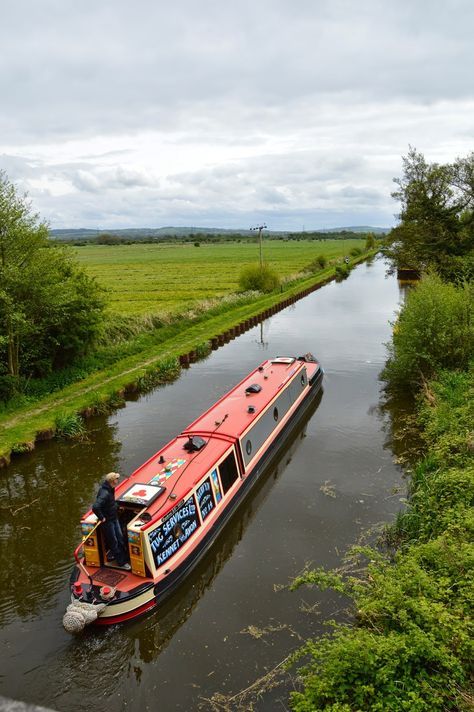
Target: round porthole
{"points": [[275, 414], [177, 531], [248, 447]]}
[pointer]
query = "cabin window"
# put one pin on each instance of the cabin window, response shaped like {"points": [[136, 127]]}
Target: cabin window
{"points": [[205, 498], [229, 472], [275, 414], [303, 378], [248, 447], [174, 530], [216, 486]]}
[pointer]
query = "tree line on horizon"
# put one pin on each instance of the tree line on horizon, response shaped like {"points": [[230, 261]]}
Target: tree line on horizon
{"points": [[124, 238]]}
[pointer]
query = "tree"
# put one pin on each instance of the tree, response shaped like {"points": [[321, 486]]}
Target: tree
{"points": [[436, 219], [50, 309], [370, 241]]}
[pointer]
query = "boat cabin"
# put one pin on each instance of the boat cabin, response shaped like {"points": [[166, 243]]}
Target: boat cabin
{"points": [[169, 505]]}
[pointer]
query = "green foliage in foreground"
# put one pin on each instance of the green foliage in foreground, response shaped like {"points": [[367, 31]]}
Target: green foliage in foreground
{"points": [[435, 330], [450, 439], [412, 644], [258, 278]]}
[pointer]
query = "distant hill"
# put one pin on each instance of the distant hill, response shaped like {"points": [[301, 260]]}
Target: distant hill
{"points": [[145, 233], [163, 233], [358, 228]]}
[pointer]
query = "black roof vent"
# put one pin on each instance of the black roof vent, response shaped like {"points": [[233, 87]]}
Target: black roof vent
{"points": [[253, 388], [307, 358], [194, 443]]}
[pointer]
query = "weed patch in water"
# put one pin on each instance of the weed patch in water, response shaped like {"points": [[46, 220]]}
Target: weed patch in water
{"points": [[69, 426]]}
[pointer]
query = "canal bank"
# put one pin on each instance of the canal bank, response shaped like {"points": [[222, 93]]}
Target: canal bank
{"points": [[235, 618], [159, 359]]}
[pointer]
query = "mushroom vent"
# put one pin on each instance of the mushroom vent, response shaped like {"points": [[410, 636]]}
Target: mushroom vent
{"points": [[253, 388], [194, 443], [308, 358]]}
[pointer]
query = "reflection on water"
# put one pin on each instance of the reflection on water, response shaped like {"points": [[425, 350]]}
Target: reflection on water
{"points": [[333, 482], [43, 499], [395, 409]]}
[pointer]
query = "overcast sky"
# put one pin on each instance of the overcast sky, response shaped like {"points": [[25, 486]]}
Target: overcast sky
{"points": [[225, 113]]}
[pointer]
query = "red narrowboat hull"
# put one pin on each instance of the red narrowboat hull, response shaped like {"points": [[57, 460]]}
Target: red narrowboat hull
{"points": [[201, 483]]}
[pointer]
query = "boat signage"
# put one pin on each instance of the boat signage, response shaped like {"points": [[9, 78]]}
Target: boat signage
{"points": [[174, 530], [143, 494], [205, 498]]}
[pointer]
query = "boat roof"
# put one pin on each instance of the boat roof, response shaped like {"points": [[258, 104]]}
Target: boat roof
{"points": [[176, 469], [232, 415]]}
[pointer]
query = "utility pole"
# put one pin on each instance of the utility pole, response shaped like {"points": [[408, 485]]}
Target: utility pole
{"points": [[260, 228]]}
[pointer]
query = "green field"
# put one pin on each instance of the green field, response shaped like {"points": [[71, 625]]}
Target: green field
{"points": [[150, 279]]}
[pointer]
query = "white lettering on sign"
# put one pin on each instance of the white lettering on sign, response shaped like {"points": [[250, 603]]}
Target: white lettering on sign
{"points": [[166, 539]]}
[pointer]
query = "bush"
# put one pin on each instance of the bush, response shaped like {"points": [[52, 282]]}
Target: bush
{"points": [[342, 272], [435, 330], [356, 251], [8, 387], [261, 279], [319, 263], [412, 644], [448, 418]]}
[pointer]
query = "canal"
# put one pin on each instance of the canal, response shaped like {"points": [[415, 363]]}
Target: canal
{"points": [[235, 618]]}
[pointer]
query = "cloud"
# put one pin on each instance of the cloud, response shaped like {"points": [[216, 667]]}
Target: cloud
{"points": [[101, 181], [139, 113]]}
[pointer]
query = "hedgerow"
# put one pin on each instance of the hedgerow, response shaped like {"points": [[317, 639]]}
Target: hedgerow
{"points": [[411, 645], [434, 331]]}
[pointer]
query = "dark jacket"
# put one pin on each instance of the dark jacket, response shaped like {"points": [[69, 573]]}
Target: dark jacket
{"points": [[105, 506]]}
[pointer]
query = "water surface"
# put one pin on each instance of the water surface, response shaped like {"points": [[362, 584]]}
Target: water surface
{"points": [[336, 479]]}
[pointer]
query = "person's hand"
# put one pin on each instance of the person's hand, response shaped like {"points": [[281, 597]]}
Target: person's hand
{"points": [[102, 520]]}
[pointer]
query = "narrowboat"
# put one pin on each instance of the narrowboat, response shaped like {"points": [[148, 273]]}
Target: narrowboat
{"points": [[173, 507]]}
